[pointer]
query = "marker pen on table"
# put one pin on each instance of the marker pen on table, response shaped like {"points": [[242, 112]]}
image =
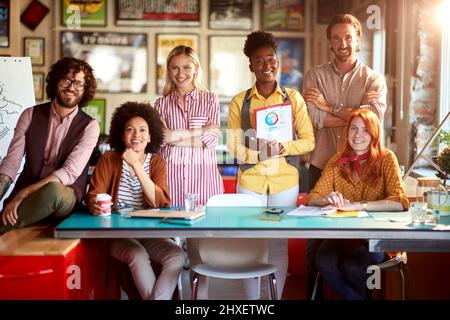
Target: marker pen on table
{"points": [[175, 221]]}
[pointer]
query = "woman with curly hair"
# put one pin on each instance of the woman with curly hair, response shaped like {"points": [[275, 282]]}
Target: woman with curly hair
{"points": [[136, 177], [267, 168], [365, 176]]}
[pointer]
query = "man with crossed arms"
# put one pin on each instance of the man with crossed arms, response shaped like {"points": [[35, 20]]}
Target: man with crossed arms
{"points": [[332, 91]]}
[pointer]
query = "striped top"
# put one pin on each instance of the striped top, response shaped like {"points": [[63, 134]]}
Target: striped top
{"points": [[130, 192], [191, 169]]}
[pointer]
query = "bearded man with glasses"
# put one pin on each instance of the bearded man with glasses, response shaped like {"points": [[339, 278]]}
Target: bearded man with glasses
{"points": [[57, 139]]}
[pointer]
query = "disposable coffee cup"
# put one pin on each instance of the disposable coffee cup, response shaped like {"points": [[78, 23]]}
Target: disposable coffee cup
{"points": [[104, 201]]}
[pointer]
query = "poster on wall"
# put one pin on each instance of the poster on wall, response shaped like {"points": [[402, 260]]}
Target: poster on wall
{"points": [[228, 67], [283, 15], [119, 59], [174, 13], [230, 14], [96, 108], [165, 42], [80, 13], [291, 56], [4, 23], [39, 85]]}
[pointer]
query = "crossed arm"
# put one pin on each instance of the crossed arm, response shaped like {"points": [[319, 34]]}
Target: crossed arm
{"points": [[190, 137], [340, 118]]}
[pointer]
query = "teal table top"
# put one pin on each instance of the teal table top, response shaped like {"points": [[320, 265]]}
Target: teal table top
{"points": [[246, 222]]}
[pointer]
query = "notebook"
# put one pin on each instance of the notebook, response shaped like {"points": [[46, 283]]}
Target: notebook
{"points": [[170, 214]]}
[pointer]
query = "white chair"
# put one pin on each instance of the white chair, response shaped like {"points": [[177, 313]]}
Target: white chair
{"points": [[234, 258]]}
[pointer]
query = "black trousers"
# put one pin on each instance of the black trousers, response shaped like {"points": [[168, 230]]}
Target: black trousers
{"points": [[312, 245]]}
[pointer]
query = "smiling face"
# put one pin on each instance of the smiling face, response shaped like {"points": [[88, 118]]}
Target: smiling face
{"points": [[358, 136], [264, 64], [182, 71], [344, 42], [68, 96], [136, 134]]}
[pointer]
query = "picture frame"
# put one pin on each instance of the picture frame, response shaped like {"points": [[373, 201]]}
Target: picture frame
{"points": [[231, 14], [327, 9], [165, 42], [283, 15], [291, 55], [96, 108], [34, 47], [76, 14], [39, 85], [34, 14], [224, 83], [119, 60], [161, 13], [4, 23]]}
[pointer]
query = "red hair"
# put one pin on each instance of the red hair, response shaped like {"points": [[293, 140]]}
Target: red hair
{"points": [[376, 149]]}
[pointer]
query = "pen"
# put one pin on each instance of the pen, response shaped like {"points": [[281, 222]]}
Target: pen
{"points": [[270, 219]]}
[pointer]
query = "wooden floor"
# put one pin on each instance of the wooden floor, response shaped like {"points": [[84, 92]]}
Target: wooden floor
{"points": [[295, 288]]}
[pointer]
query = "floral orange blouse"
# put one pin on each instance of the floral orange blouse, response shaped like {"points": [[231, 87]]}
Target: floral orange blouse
{"points": [[389, 186]]}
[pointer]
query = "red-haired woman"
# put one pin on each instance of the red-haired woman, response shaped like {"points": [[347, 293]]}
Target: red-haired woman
{"points": [[365, 176]]}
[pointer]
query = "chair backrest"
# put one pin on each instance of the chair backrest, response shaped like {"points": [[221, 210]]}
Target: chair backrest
{"points": [[234, 199], [233, 252]]}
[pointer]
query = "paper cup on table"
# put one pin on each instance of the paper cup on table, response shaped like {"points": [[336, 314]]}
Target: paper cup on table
{"points": [[104, 201]]}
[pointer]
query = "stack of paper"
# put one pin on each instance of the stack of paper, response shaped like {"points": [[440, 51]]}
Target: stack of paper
{"points": [[303, 211], [170, 214]]}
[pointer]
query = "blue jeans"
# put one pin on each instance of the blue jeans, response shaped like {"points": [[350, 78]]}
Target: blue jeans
{"points": [[343, 265]]}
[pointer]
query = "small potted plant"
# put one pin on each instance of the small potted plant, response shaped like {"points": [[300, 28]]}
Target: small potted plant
{"points": [[443, 161]]}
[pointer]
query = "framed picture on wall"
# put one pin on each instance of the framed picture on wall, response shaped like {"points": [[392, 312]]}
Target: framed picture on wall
{"points": [[76, 13], [35, 49], [228, 66], [39, 84], [119, 59], [327, 9], [34, 13], [283, 15], [4, 23], [97, 110], [230, 14], [291, 54], [165, 42], [175, 13]]}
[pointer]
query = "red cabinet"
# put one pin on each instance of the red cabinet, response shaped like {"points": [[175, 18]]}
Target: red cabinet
{"points": [[34, 265]]}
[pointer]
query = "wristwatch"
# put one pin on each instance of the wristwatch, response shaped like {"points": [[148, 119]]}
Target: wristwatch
{"points": [[364, 205], [337, 108]]}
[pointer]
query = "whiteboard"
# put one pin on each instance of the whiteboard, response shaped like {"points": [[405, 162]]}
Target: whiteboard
{"points": [[16, 95]]}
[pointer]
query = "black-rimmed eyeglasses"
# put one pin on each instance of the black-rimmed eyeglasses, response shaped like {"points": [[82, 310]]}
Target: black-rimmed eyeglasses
{"points": [[66, 83]]}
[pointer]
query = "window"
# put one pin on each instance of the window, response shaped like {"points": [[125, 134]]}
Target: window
{"points": [[444, 99]]}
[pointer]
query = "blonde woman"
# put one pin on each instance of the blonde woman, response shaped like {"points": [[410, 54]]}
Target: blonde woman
{"points": [[192, 127]]}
